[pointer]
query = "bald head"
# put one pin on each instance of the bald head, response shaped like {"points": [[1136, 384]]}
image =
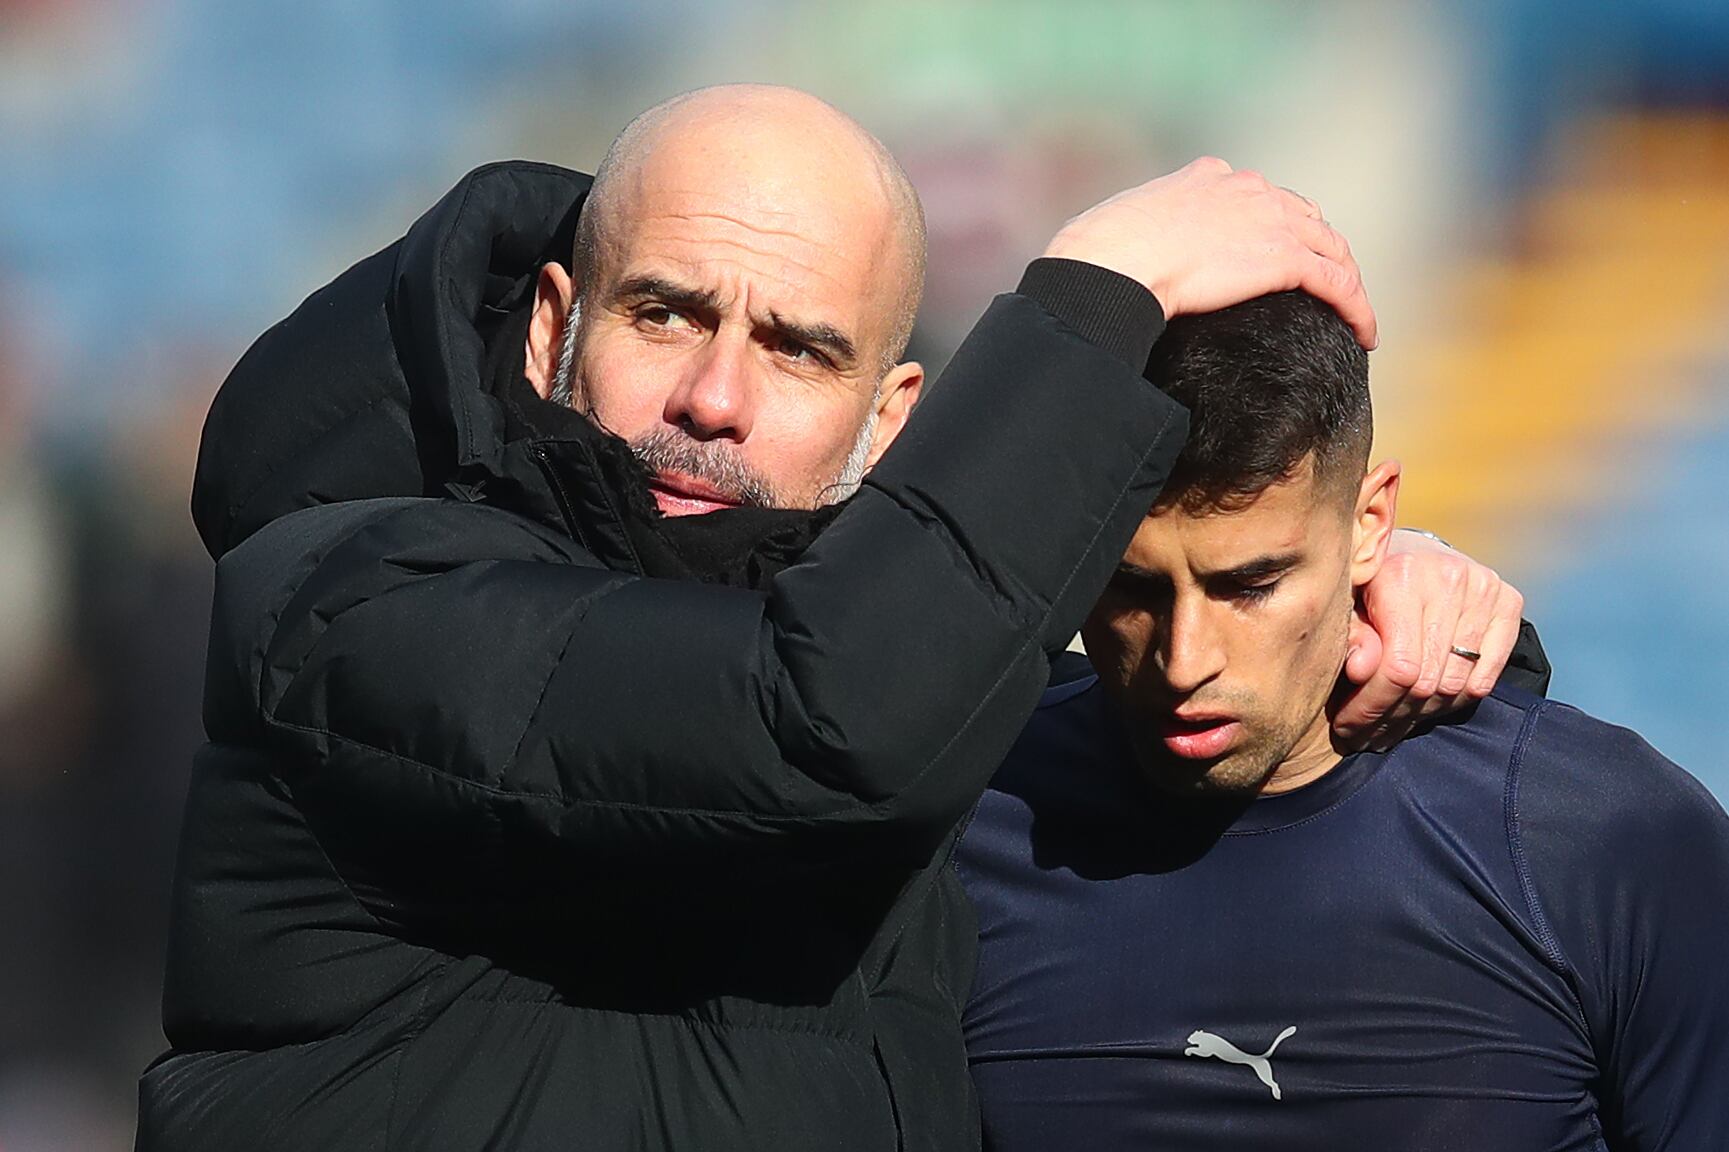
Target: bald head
{"points": [[777, 158]]}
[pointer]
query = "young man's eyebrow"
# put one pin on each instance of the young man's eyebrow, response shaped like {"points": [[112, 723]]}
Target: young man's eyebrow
{"points": [[1133, 578], [1259, 568], [825, 338]]}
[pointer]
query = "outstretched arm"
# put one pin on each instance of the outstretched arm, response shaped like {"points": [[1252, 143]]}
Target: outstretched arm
{"points": [[478, 687]]}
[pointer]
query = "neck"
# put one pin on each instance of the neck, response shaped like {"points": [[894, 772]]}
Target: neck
{"points": [[1312, 757]]}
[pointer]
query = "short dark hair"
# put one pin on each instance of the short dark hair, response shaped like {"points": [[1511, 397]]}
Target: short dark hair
{"points": [[1268, 383]]}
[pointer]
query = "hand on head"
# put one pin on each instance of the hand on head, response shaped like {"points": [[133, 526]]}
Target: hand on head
{"points": [[1206, 237]]}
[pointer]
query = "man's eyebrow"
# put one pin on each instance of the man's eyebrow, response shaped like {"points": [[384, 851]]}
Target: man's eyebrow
{"points": [[825, 338], [1134, 580], [665, 291], [1136, 572], [1259, 568]]}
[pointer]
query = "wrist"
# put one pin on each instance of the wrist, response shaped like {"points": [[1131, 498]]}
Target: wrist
{"points": [[1109, 309], [1425, 534], [1090, 251]]}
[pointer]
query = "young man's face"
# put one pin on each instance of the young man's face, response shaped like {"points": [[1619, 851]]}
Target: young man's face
{"points": [[1223, 633]]}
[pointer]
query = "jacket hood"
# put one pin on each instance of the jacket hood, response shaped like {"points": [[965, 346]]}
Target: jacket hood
{"points": [[377, 384]]}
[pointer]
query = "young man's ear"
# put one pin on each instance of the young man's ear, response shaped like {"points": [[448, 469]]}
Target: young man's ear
{"points": [[1372, 521], [897, 396], [553, 293]]}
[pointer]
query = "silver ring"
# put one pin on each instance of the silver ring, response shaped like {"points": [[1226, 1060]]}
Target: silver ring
{"points": [[1473, 657]]}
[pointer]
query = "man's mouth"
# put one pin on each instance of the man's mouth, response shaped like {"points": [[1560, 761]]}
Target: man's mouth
{"points": [[1199, 737], [679, 495]]}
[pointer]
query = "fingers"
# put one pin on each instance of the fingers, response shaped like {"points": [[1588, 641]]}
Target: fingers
{"points": [[1395, 727], [1206, 166], [1482, 593], [1338, 281], [1322, 239], [1440, 617], [1309, 208], [1363, 650], [1397, 612], [1499, 637], [1374, 715], [1413, 605], [1341, 286], [1351, 718], [1384, 667]]}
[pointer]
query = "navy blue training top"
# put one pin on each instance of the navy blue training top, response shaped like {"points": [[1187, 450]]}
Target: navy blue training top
{"points": [[1511, 932]]}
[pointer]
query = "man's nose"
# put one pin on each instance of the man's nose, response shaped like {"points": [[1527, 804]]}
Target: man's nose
{"points": [[716, 398], [1193, 653]]}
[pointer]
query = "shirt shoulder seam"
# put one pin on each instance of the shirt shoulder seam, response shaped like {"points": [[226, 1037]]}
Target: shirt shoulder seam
{"points": [[1540, 925]]}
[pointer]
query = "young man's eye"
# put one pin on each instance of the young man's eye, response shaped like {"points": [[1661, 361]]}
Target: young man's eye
{"points": [[1138, 590], [1254, 593]]}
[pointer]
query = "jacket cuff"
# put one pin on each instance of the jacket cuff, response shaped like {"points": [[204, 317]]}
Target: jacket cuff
{"points": [[1528, 666], [1112, 311]]}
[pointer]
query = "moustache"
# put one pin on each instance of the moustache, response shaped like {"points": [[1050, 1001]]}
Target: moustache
{"points": [[712, 461]]}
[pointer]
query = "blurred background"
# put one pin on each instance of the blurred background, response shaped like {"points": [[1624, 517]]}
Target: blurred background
{"points": [[1537, 190]]}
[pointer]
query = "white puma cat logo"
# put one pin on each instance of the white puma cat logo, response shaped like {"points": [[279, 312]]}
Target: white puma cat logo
{"points": [[1207, 1044]]}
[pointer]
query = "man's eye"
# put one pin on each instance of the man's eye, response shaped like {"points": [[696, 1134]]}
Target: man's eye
{"points": [[1143, 591], [659, 316], [798, 353], [1254, 593]]}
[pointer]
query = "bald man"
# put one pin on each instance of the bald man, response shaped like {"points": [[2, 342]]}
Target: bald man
{"points": [[582, 767]]}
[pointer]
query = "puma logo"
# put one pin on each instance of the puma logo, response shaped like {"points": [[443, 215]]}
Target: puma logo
{"points": [[1207, 1044]]}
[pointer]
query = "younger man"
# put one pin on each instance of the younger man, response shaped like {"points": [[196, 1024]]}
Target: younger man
{"points": [[1204, 926]]}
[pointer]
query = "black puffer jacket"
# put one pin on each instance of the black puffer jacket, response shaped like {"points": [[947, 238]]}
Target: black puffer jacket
{"points": [[529, 820]]}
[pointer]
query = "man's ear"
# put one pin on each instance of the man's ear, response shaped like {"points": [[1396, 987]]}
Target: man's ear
{"points": [[896, 397], [1372, 521], [552, 296]]}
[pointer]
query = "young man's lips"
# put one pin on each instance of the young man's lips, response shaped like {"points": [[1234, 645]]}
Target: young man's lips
{"points": [[1201, 738]]}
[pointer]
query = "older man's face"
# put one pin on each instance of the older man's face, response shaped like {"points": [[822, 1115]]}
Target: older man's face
{"points": [[737, 328]]}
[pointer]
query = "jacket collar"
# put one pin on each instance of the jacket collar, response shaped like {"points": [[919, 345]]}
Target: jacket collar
{"points": [[464, 266]]}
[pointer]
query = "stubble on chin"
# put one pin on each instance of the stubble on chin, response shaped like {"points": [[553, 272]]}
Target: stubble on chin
{"points": [[1239, 774]]}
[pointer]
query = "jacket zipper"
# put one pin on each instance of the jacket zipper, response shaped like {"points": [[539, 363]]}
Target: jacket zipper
{"points": [[543, 460]]}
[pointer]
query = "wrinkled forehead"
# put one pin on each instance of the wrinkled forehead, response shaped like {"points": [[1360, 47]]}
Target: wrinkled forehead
{"points": [[793, 239]]}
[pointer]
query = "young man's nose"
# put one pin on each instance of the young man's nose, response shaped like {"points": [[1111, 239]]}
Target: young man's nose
{"points": [[716, 398], [1192, 652]]}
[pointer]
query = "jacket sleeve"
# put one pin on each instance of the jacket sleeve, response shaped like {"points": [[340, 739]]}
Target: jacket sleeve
{"points": [[1628, 858], [1528, 667], [454, 669]]}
